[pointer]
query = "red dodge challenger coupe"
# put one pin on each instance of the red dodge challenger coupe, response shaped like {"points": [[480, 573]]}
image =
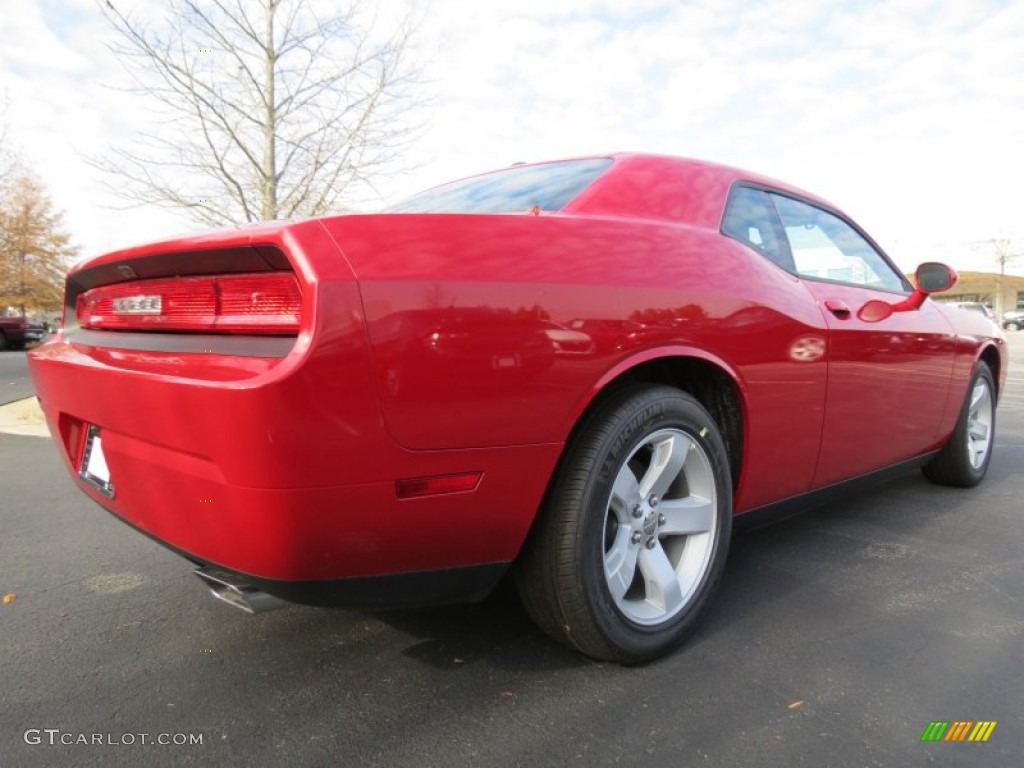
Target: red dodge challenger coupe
{"points": [[580, 370]]}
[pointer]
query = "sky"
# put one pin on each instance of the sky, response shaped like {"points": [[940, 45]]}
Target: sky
{"points": [[907, 115]]}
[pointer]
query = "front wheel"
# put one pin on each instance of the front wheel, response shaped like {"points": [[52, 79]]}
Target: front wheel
{"points": [[633, 535], [964, 460]]}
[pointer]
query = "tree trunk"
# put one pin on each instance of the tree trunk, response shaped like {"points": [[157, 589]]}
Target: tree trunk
{"points": [[269, 123]]}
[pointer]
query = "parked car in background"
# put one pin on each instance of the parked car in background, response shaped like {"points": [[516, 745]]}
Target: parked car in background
{"points": [[1013, 320], [16, 332], [974, 306], [578, 370]]}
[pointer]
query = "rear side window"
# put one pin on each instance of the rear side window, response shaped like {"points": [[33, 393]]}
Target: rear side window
{"points": [[750, 218], [514, 190]]}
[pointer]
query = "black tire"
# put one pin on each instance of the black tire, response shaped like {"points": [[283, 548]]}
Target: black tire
{"points": [[3, 342], [956, 463], [1012, 326], [561, 573]]}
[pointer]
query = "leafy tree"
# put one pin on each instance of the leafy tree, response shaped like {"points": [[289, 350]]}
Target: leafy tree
{"points": [[35, 251]]}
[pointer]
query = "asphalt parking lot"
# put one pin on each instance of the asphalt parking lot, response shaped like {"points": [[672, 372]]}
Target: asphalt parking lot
{"points": [[15, 383], [835, 639]]}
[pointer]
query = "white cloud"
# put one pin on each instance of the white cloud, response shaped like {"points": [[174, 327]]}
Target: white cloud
{"points": [[910, 115], [61, 111]]}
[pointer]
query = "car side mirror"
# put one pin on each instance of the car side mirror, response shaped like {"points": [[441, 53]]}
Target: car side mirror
{"points": [[931, 277]]}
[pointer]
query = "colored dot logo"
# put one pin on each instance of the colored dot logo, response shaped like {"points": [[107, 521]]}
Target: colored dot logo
{"points": [[959, 730]]}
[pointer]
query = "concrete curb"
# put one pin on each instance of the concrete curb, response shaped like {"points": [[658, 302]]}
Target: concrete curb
{"points": [[23, 417]]}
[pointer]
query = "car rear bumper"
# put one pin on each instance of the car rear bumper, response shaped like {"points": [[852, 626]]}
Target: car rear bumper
{"points": [[280, 469]]}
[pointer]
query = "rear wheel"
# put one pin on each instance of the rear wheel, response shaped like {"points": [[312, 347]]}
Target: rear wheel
{"points": [[634, 532], [964, 460], [3, 342]]}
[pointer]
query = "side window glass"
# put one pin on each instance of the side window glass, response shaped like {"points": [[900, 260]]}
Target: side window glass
{"points": [[824, 246], [750, 218]]}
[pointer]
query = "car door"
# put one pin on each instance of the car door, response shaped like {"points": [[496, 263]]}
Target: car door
{"points": [[888, 381]]}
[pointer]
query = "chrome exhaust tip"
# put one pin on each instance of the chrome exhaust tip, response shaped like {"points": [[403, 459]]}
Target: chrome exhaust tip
{"points": [[227, 586]]}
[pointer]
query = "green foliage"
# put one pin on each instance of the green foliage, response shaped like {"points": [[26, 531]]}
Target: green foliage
{"points": [[35, 251]]}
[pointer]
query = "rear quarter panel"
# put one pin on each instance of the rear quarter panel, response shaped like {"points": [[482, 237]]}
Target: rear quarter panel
{"points": [[497, 330]]}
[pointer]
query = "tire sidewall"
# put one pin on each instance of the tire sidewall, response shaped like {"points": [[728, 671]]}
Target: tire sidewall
{"points": [[981, 372]]}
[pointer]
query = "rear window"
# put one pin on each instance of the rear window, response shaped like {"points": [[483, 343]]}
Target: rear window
{"points": [[514, 190]]}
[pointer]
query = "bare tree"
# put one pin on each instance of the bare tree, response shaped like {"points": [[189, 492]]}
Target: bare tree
{"points": [[1003, 255], [35, 251], [266, 109]]}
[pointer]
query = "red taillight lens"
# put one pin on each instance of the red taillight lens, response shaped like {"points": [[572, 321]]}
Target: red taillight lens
{"points": [[259, 303]]}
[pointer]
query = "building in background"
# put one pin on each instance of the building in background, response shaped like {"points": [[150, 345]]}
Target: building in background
{"points": [[1001, 293]]}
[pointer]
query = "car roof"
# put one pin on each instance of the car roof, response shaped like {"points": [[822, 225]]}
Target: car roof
{"points": [[674, 188]]}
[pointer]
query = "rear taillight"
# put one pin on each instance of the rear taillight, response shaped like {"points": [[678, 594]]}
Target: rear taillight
{"points": [[256, 303]]}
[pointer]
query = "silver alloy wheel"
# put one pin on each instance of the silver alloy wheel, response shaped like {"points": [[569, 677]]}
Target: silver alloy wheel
{"points": [[979, 423], [660, 527]]}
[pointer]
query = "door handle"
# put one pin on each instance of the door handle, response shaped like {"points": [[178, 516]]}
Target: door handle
{"points": [[838, 308]]}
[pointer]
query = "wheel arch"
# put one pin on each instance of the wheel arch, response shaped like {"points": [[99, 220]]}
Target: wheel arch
{"points": [[564, 589], [991, 357], [708, 379]]}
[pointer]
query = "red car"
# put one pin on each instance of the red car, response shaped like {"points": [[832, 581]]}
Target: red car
{"points": [[580, 370], [16, 332]]}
